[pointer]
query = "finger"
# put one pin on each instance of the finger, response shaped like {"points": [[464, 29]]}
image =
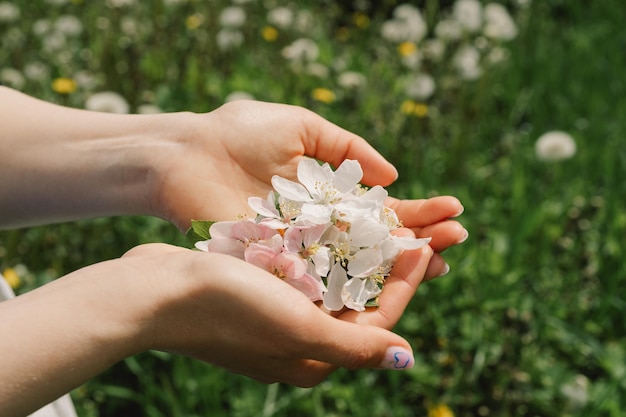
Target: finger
{"points": [[437, 267], [419, 213], [354, 346], [443, 234], [152, 249], [406, 275], [330, 143]]}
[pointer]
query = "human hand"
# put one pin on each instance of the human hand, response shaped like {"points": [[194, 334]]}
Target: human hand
{"points": [[229, 313], [231, 154], [212, 307]]}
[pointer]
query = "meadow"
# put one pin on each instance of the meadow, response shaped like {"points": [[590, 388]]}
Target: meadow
{"points": [[530, 319]]}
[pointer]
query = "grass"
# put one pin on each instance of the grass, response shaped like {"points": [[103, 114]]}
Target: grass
{"points": [[529, 321]]}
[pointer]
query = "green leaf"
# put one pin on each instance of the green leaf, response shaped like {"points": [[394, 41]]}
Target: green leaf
{"points": [[199, 230]]}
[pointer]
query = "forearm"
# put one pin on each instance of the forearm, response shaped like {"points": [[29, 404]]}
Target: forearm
{"points": [[57, 337], [60, 164]]}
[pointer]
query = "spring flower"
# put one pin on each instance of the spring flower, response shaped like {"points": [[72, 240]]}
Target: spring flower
{"points": [[107, 102], [406, 25], [407, 48], [302, 49], [413, 108], [498, 23], [149, 109], [323, 95], [12, 278], [420, 87], [555, 146], [468, 14], [229, 38], [351, 80], [233, 17], [64, 85], [281, 17], [287, 266], [325, 235], [238, 95], [194, 21], [12, 77], [269, 33], [9, 12], [361, 20], [467, 62], [69, 25], [440, 410]]}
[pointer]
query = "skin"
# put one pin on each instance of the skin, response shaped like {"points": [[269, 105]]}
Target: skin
{"points": [[68, 164]]}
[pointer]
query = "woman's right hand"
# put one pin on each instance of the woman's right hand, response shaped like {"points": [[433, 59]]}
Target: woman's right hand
{"points": [[224, 311]]}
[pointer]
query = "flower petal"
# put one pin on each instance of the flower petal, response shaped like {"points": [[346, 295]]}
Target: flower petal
{"points": [[365, 262], [290, 190], [336, 280], [347, 176]]}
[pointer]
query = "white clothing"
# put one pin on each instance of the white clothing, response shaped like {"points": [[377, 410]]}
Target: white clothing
{"points": [[62, 407]]}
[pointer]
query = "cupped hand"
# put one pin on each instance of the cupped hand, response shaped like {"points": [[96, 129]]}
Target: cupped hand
{"points": [[224, 311], [230, 154]]}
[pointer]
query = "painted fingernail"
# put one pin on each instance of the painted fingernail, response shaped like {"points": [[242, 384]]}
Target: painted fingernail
{"points": [[398, 358], [445, 271]]}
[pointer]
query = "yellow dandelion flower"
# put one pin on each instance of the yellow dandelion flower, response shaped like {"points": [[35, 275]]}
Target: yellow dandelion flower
{"points": [[420, 110], [64, 85], [407, 107], [407, 48], [323, 94], [413, 108], [194, 21], [361, 20], [269, 33], [440, 410], [12, 278]]}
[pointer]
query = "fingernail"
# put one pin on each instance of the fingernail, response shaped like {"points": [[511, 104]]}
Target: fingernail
{"points": [[464, 237], [445, 271], [398, 358], [458, 213]]}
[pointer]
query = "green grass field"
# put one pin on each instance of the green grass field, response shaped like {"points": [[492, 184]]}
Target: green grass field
{"points": [[530, 319]]}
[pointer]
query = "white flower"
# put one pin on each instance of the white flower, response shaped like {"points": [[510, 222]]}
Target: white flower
{"points": [[498, 23], [36, 71], [351, 80], [13, 78], [555, 146], [233, 17], [107, 102], [149, 109], [9, 12], [421, 87], [468, 13], [448, 30], [407, 25], [302, 49], [69, 25], [281, 17], [319, 188], [238, 95], [326, 235], [467, 62], [229, 39]]}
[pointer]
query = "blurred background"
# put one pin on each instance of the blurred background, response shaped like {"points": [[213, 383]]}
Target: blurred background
{"points": [[513, 106]]}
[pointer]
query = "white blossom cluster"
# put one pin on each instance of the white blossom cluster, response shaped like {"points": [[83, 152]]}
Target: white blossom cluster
{"points": [[325, 235]]}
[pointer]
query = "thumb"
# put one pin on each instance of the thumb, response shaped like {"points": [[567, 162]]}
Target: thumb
{"points": [[355, 346]]}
